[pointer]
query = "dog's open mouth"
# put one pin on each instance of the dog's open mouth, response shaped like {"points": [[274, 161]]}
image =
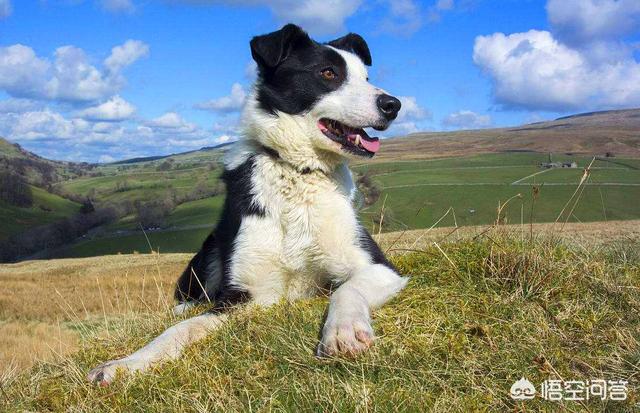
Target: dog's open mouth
{"points": [[353, 140]]}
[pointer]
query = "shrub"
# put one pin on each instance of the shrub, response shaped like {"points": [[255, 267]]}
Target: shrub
{"points": [[14, 190], [153, 214]]}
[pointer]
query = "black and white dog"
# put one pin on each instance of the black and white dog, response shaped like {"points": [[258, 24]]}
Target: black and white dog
{"points": [[288, 229]]}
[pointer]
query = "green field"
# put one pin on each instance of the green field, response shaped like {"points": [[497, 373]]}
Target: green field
{"points": [[182, 240], [141, 184], [201, 212], [193, 220], [417, 194], [46, 208]]}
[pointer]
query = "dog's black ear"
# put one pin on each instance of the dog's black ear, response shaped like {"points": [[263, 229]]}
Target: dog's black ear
{"points": [[354, 43], [271, 49]]}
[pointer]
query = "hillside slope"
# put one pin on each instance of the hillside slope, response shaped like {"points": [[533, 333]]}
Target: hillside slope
{"points": [[593, 133], [46, 208], [35, 169]]}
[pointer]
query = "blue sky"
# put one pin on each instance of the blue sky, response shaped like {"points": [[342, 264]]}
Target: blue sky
{"points": [[98, 80]]}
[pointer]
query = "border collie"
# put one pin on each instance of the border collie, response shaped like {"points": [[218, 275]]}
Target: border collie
{"points": [[288, 228]]}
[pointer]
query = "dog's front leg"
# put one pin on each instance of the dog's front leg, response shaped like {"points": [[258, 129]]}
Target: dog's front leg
{"points": [[347, 328], [167, 346]]}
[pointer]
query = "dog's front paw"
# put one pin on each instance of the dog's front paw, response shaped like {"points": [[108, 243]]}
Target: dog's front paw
{"points": [[105, 373], [348, 335]]}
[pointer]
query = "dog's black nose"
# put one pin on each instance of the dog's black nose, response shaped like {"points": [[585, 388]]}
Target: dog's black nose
{"points": [[389, 106]]}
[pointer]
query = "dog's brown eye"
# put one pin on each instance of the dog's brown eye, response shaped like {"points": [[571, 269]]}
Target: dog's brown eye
{"points": [[328, 74]]}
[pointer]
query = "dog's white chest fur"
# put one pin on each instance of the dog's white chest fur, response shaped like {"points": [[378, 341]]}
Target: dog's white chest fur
{"points": [[307, 237]]}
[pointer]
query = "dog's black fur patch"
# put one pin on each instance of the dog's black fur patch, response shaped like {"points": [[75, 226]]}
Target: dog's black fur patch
{"points": [[367, 243], [355, 44], [217, 249]]}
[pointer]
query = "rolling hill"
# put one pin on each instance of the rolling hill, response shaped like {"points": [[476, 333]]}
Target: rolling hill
{"points": [[39, 173], [46, 208], [416, 179], [35, 169], [594, 133]]}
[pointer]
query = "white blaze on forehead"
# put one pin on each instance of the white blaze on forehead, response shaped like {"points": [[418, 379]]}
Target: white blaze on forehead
{"points": [[354, 102], [355, 67]]}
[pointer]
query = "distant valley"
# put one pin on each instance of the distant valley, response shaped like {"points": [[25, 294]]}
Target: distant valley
{"points": [[458, 178]]}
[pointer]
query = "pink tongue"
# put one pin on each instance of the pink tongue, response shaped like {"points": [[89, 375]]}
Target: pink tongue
{"points": [[371, 146]]}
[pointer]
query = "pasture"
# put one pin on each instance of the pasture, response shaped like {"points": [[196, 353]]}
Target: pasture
{"points": [[47, 208], [460, 191], [140, 183], [468, 191]]}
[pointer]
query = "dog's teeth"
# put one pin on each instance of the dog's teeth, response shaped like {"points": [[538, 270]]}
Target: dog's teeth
{"points": [[357, 141]]}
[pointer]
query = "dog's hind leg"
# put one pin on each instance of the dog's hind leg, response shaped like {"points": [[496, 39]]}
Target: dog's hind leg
{"points": [[167, 346], [201, 280]]}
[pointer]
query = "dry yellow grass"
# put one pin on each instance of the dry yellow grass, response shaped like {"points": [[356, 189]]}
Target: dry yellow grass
{"points": [[24, 342], [590, 233], [72, 289], [45, 305]]}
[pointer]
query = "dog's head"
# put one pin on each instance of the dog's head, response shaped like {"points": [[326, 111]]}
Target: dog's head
{"points": [[314, 99]]}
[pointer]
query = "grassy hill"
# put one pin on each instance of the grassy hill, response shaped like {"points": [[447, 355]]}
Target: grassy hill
{"points": [[478, 314], [35, 169], [594, 133], [146, 179], [47, 208], [468, 190], [39, 173], [458, 191], [425, 179]]}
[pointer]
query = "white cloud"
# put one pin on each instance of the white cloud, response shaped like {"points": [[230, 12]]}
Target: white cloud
{"points": [[171, 122], [13, 105], [584, 63], [576, 22], [126, 54], [439, 8], [113, 110], [90, 140], [405, 17], [5, 9], [251, 71], [466, 119], [444, 5], [226, 104], [69, 77], [224, 139], [411, 110], [43, 124], [22, 73], [118, 6], [106, 159], [410, 117], [316, 16], [533, 70]]}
